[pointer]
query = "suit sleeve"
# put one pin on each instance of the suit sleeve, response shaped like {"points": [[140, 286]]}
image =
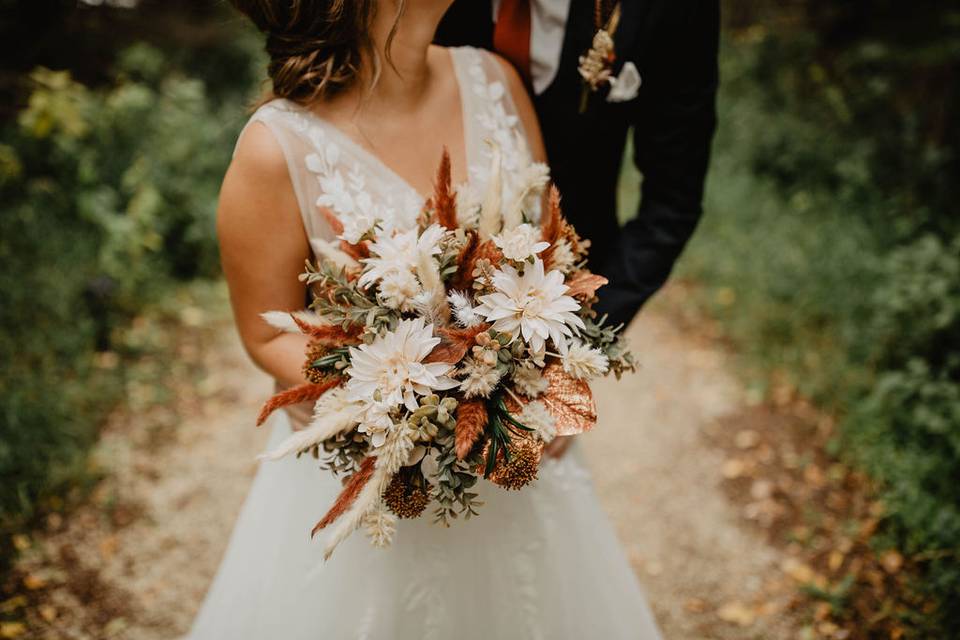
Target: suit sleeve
{"points": [[673, 121]]}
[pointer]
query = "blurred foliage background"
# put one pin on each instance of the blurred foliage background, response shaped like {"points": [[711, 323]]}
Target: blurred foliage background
{"points": [[830, 252]]}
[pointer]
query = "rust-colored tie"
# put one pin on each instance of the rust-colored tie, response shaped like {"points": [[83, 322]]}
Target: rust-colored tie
{"points": [[511, 34]]}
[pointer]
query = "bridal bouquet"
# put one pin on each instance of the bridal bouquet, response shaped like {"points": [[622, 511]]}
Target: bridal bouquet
{"points": [[444, 353]]}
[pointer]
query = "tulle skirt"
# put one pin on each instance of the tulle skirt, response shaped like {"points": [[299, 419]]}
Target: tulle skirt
{"points": [[539, 563]]}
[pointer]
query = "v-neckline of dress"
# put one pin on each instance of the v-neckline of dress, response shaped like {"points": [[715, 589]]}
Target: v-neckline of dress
{"points": [[371, 158]]}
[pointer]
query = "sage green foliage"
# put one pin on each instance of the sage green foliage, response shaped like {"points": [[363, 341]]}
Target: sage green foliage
{"points": [[108, 198], [830, 251]]}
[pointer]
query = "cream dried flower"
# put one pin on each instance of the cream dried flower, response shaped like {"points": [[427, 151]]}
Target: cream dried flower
{"points": [[480, 379], [563, 259], [399, 290], [463, 310], [584, 362], [520, 243], [536, 416], [528, 380]]}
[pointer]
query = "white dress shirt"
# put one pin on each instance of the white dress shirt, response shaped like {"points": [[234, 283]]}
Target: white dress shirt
{"points": [[547, 28]]}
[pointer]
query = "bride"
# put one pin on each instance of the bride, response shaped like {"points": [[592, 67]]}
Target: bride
{"points": [[362, 108]]}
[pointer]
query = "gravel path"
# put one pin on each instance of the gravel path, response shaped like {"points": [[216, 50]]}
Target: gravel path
{"points": [[136, 562]]}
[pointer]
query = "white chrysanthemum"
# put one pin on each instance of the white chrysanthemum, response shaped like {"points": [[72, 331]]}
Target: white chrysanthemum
{"points": [[480, 379], [534, 305], [584, 362], [399, 290], [528, 380], [520, 243], [394, 252], [376, 422], [390, 371], [536, 416], [463, 310]]}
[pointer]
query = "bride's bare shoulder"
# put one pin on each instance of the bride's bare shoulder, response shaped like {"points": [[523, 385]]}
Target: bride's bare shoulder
{"points": [[257, 189]]}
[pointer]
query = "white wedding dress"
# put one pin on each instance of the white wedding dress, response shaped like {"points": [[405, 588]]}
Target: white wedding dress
{"points": [[539, 563]]}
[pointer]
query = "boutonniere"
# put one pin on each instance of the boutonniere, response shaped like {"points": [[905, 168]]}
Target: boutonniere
{"points": [[596, 65]]}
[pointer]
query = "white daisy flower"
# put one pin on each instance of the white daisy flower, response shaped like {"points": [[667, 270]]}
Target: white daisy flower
{"points": [[533, 305], [391, 371], [584, 362], [394, 252], [520, 243]]}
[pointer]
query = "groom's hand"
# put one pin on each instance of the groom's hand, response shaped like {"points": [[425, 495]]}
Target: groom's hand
{"points": [[558, 446]]}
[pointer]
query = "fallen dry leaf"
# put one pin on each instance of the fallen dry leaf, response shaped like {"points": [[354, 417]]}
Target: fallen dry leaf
{"points": [[733, 468], [797, 570], [33, 582], [737, 613], [12, 629], [892, 561]]}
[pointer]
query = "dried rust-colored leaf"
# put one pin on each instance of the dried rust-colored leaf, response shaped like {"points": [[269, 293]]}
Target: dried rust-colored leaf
{"points": [[585, 284], [303, 393], [350, 491], [454, 343], [568, 400], [471, 422], [466, 261]]}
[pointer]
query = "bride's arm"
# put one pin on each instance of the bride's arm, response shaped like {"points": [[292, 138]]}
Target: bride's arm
{"points": [[263, 247]]}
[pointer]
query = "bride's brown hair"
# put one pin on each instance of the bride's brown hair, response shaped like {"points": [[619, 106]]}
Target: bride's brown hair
{"points": [[316, 47]]}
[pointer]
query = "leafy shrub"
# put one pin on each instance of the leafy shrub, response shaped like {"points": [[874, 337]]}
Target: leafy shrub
{"points": [[108, 198], [831, 255]]}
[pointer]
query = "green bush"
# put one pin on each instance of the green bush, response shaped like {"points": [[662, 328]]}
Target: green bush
{"points": [[831, 251], [109, 197]]}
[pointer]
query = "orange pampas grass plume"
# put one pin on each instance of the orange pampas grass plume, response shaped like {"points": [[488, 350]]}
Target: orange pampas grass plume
{"points": [[444, 200], [329, 335], [471, 421], [303, 393], [467, 259], [350, 491]]}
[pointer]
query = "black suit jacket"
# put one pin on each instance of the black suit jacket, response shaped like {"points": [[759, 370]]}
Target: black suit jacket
{"points": [[673, 44]]}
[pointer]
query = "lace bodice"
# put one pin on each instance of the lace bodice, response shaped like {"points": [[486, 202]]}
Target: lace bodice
{"points": [[329, 169]]}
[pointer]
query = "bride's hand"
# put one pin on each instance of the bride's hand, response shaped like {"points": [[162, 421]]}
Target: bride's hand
{"points": [[558, 446]]}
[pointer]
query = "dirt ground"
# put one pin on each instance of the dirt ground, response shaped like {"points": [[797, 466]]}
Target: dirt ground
{"points": [[136, 561]]}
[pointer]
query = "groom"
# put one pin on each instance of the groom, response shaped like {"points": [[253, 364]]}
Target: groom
{"points": [[664, 83]]}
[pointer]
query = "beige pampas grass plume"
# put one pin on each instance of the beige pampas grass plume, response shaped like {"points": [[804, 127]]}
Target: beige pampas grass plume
{"points": [[491, 218], [332, 415]]}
